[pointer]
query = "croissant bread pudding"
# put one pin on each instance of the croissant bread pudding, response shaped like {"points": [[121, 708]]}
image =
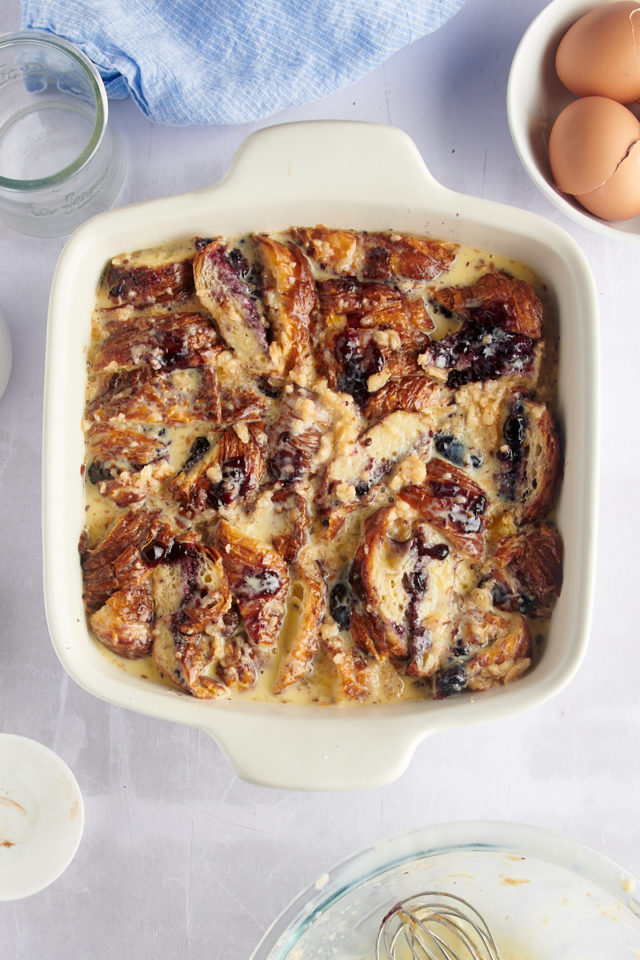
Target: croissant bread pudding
{"points": [[321, 467]]}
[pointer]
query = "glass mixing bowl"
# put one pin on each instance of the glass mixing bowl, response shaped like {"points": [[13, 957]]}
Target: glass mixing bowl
{"points": [[544, 896]]}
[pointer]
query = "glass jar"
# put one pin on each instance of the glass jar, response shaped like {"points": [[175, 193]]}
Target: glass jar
{"points": [[60, 162]]}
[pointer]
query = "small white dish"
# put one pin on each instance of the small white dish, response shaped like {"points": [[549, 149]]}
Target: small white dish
{"points": [[535, 97], [41, 817], [6, 354]]}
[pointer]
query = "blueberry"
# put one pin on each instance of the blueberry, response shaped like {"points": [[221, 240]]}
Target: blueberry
{"points": [[232, 485], [514, 430], [268, 388], [439, 551], [340, 603], [482, 350], [99, 473], [198, 449], [357, 363], [525, 605], [234, 470], [452, 680], [153, 553], [450, 448], [419, 583]]}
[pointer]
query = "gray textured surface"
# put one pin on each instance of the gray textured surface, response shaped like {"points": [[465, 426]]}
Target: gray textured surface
{"points": [[179, 858]]}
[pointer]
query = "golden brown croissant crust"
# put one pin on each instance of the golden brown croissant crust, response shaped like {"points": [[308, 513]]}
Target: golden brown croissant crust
{"points": [[321, 465]]}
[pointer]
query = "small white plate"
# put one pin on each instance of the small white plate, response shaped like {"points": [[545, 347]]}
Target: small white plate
{"points": [[41, 817]]}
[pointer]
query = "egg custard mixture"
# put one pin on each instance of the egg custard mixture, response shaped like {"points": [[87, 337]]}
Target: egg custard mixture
{"points": [[320, 467]]}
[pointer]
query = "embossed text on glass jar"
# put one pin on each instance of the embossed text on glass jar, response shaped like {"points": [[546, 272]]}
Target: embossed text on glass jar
{"points": [[60, 162]]}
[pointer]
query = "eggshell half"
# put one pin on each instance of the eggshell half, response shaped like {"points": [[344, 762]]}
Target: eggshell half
{"points": [[588, 141], [600, 54]]}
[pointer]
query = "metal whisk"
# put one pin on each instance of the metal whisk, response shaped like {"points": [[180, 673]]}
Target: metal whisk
{"points": [[434, 926]]}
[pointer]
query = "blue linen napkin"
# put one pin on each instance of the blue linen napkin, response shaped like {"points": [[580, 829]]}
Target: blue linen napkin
{"points": [[233, 61]]}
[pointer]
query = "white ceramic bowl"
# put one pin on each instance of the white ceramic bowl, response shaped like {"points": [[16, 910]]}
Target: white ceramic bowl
{"points": [[535, 97], [41, 816], [345, 174], [543, 896]]}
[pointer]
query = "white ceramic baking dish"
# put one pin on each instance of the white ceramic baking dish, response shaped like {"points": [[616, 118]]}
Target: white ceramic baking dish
{"points": [[341, 174]]}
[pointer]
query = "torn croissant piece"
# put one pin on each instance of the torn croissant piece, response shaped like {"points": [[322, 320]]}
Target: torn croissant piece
{"points": [[241, 397], [220, 471], [125, 557], [124, 448], [530, 459], [205, 593], [290, 525], [279, 517], [350, 666], [495, 649], [351, 476], [126, 464], [496, 299], [418, 394], [356, 360], [367, 330], [374, 305], [228, 286], [294, 437], [142, 285], [191, 598], [367, 635], [476, 352], [241, 661], [123, 623], [290, 296], [375, 256], [454, 503], [378, 580], [172, 341], [527, 571], [306, 610], [174, 398], [404, 582], [259, 581], [432, 611]]}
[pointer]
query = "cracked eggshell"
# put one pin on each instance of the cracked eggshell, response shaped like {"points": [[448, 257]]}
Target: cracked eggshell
{"points": [[600, 53], [619, 197], [594, 157]]}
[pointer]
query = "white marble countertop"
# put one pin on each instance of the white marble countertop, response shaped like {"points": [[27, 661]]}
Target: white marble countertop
{"points": [[179, 858]]}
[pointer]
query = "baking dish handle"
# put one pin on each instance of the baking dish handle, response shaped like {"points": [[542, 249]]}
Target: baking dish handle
{"points": [[292, 747], [323, 152]]}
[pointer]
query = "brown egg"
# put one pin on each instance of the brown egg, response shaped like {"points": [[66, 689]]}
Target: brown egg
{"points": [[594, 151], [600, 54]]}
